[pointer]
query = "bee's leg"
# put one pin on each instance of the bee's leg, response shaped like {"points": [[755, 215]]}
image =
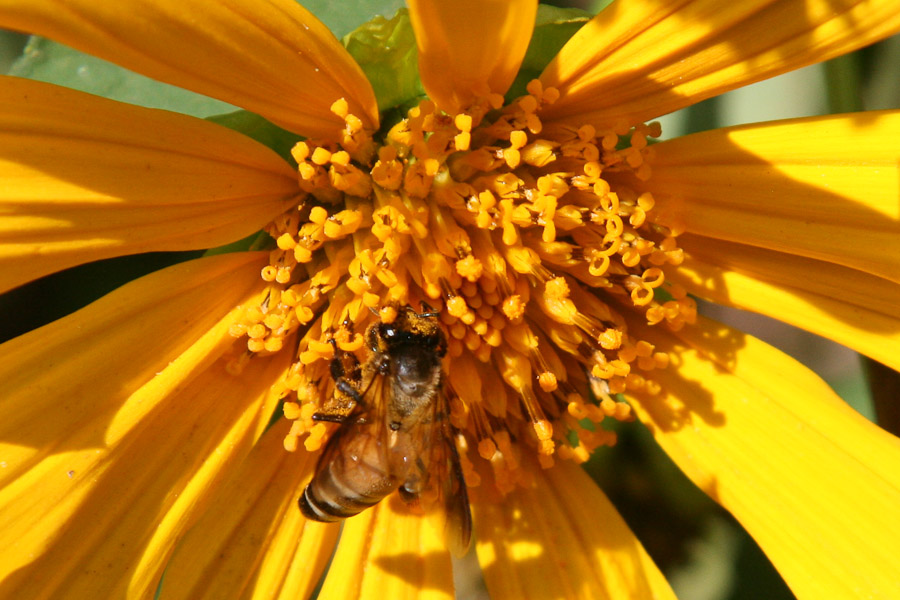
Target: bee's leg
{"points": [[427, 311], [345, 371], [344, 365], [347, 388], [329, 418], [406, 495], [415, 483]]}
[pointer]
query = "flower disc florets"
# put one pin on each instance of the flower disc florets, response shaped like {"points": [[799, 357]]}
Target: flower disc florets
{"points": [[529, 241]]}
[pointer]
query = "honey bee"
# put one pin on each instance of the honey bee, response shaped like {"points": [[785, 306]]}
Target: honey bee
{"points": [[397, 436]]}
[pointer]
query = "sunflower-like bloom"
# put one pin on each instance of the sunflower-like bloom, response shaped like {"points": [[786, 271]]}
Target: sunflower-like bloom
{"points": [[561, 249]]}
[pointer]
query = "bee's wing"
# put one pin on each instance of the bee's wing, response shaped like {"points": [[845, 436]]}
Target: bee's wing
{"points": [[371, 410], [450, 499], [353, 459], [368, 412], [458, 529], [360, 416]]}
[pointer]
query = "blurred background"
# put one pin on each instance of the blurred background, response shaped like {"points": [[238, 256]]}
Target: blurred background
{"points": [[705, 554]]}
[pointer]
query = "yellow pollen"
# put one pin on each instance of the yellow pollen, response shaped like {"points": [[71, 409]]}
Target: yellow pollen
{"points": [[318, 215], [340, 107], [462, 141], [285, 241], [534, 244], [487, 448], [470, 268], [321, 156], [513, 308], [300, 152], [547, 381], [268, 273]]}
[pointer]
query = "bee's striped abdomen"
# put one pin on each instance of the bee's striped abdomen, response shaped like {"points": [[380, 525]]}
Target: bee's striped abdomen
{"points": [[354, 477]]}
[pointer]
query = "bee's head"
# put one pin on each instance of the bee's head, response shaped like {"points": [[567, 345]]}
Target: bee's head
{"points": [[409, 329]]}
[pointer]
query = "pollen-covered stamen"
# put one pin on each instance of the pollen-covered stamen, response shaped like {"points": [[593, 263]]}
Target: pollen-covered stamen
{"points": [[527, 240]]}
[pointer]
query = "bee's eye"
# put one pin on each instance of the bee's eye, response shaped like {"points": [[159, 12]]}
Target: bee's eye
{"points": [[388, 331]]}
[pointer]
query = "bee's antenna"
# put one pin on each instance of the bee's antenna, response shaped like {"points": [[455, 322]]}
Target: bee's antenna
{"points": [[427, 311]]}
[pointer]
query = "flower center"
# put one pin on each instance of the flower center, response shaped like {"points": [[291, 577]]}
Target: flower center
{"points": [[528, 239]]}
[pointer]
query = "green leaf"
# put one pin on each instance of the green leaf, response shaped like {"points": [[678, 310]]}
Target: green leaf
{"points": [[259, 240], [345, 16], [552, 29], [597, 5], [261, 130], [386, 51], [45, 60], [843, 79]]}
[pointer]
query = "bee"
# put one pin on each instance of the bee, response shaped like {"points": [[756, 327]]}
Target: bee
{"points": [[397, 435]]}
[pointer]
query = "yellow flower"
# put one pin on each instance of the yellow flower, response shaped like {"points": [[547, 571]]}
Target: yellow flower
{"points": [[560, 247]]}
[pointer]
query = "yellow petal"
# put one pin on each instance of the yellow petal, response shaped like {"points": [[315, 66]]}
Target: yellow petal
{"points": [[640, 59], [253, 542], [61, 371], [386, 552], [271, 57], [850, 307], [86, 178], [467, 47], [112, 450], [824, 187], [814, 483], [562, 539]]}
